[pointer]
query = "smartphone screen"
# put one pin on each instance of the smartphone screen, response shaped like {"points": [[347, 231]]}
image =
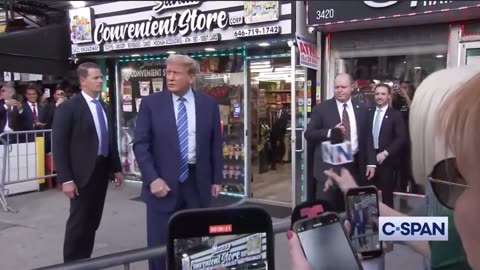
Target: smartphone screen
{"points": [[363, 212], [221, 242], [325, 243]]}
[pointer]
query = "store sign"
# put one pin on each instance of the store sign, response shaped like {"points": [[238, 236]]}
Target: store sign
{"points": [[236, 253], [162, 5], [336, 12], [308, 53], [174, 28]]}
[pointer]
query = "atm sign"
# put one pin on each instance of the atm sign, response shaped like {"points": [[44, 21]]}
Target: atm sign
{"points": [[220, 229]]}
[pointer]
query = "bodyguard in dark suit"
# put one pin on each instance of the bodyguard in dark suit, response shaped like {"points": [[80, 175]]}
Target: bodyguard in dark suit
{"points": [[389, 140], [277, 135], [178, 147], [33, 115], [85, 152], [352, 118]]}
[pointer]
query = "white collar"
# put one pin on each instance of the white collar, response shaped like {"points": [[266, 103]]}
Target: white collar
{"points": [[87, 97], [349, 103], [189, 97]]}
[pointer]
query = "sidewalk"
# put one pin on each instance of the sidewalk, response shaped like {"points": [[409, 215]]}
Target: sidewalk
{"points": [[33, 237]]}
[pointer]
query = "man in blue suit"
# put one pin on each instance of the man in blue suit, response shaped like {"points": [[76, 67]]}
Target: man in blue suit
{"points": [[33, 112], [178, 147]]}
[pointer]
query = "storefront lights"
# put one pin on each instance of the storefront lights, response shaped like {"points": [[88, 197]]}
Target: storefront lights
{"points": [[264, 44], [210, 49], [78, 4], [171, 52]]}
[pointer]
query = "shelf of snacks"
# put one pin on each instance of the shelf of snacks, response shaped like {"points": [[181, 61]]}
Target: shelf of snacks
{"points": [[227, 89]]}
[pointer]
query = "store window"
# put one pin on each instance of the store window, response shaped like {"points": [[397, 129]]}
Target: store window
{"points": [[221, 77], [393, 70]]}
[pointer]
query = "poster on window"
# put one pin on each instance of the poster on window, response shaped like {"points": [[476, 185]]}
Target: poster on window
{"points": [[141, 79], [261, 11], [81, 25]]}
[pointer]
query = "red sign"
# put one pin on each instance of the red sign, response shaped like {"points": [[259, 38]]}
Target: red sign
{"points": [[220, 229], [308, 53]]}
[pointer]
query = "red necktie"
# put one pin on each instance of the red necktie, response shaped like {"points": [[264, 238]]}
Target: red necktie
{"points": [[34, 111]]}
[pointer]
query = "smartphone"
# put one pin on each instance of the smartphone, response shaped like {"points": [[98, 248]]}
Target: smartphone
{"points": [[325, 243], [362, 212], [222, 238]]}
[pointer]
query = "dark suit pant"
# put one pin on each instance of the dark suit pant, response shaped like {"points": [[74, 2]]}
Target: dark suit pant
{"points": [[157, 222], [85, 215], [384, 180]]}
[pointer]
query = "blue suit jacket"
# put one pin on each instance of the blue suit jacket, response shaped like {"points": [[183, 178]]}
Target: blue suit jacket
{"points": [[28, 118], [157, 150]]}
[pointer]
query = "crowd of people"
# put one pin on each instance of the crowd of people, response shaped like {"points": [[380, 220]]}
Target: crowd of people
{"points": [[181, 159], [443, 124]]}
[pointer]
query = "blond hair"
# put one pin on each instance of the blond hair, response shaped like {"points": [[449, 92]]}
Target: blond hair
{"points": [[192, 66], [460, 120], [429, 143]]}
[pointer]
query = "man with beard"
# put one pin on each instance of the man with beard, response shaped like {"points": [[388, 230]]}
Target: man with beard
{"points": [[389, 138]]}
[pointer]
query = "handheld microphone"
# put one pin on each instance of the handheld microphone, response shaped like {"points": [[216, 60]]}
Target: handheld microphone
{"points": [[337, 151]]}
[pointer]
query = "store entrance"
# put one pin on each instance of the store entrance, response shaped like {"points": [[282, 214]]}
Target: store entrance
{"points": [[270, 103]]}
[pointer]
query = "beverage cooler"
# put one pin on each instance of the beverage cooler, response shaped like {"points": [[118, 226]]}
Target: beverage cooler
{"points": [[221, 77]]}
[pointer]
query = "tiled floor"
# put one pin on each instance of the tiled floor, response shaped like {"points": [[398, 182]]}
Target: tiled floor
{"points": [[274, 185]]}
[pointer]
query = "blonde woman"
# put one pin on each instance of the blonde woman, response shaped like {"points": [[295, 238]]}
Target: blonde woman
{"points": [[444, 124]]}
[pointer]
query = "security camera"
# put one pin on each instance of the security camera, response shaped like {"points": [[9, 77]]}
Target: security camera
{"points": [[290, 43], [311, 29]]}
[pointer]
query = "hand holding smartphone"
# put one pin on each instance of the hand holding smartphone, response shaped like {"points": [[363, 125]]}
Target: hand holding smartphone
{"points": [[363, 212], [325, 243]]}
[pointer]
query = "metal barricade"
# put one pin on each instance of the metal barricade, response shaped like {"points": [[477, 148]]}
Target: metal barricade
{"points": [[25, 155], [128, 257]]}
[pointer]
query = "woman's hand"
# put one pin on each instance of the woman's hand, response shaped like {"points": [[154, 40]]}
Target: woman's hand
{"points": [[299, 262], [344, 181]]}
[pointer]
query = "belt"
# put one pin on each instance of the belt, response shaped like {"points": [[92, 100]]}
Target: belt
{"points": [[192, 166]]}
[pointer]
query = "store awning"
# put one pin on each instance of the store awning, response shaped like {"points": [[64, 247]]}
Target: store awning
{"points": [[334, 16], [39, 51]]}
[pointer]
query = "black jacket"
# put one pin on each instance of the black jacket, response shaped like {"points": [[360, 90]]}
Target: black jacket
{"points": [[75, 142]]}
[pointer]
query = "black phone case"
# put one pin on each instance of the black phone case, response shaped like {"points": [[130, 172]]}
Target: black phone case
{"points": [[244, 220]]}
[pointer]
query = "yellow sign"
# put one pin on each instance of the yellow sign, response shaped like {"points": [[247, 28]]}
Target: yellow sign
{"points": [[40, 142]]}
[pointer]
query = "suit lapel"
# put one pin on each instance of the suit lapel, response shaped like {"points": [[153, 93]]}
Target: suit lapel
{"points": [[198, 121], [334, 108], [170, 118], [110, 124], [358, 118], [384, 120], [85, 110]]}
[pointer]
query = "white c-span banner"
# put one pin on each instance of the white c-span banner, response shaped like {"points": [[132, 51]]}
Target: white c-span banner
{"points": [[413, 229]]}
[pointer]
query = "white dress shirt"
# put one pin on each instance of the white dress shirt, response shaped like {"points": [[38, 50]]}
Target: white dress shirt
{"points": [[93, 111], [353, 123], [7, 127], [31, 107], [379, 112], [191, 122]]}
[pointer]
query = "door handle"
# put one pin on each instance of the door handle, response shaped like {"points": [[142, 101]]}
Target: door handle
{"points": [[303, 141]]}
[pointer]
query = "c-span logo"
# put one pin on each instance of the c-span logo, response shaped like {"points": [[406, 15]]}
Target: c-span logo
{"points": [[413, 229]]}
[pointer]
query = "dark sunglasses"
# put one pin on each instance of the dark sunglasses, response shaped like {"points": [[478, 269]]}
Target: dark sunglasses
{"points": [[447, 182]]}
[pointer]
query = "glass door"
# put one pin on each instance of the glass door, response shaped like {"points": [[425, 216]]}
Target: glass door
{"points": [[298, 126], [470, 54], [270, 110]]}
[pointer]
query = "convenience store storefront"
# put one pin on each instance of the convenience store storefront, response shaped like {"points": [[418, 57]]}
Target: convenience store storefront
{"points": [[232, 40]]}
